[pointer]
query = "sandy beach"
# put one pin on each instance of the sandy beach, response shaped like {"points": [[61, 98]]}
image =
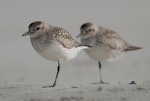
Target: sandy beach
{"points": [[89, 92]]}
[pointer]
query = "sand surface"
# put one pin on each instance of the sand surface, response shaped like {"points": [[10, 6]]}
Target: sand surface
{"points": [[88, 92]]}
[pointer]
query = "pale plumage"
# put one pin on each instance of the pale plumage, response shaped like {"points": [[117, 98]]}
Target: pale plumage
{"points": [[106, 44], [53, 43]]}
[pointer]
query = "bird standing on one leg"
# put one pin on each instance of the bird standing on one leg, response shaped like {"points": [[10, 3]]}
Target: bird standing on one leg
{"points": [[53, 43], [106, 44]]}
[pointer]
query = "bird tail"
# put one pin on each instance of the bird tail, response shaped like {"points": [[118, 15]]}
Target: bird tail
{"points": [[132, 48]]}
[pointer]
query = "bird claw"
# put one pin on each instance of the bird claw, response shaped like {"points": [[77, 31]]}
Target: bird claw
{"points": [[50, 86], [101, 82]]}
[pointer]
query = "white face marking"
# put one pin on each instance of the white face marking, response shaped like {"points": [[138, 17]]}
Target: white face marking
{"points": [[36, 30], [88, 31]]}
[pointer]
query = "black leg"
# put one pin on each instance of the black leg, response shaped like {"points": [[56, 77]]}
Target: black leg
{"points": [[58, 69], [100, 67], [54, 84]]}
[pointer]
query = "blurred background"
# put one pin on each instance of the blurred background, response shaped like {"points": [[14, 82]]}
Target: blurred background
{"points": [[19, 63]]}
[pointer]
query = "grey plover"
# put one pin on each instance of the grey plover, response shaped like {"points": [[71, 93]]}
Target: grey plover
{"points": [[53, 43], [106, 44]]}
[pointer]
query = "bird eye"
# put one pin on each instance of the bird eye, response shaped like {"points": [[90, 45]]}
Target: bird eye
{"points": [[37, 28], [90, 29]]}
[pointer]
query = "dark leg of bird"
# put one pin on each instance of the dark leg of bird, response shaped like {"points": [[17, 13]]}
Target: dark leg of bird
{"points": [[58, 69], [100, 67]]}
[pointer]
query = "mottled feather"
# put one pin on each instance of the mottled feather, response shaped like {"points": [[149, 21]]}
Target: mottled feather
{"points": [[63, 37], [111, 39]]}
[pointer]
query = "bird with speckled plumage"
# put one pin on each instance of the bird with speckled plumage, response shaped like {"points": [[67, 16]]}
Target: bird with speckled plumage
{"points": [[53, 43], [106, 44]]}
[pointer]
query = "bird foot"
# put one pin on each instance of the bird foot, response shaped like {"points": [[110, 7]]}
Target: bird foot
{"points": [[50, 86], [101, 82]]}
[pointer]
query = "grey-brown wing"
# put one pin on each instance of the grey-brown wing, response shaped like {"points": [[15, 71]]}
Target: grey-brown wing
{"points": [[63, 37], [111, 39]]}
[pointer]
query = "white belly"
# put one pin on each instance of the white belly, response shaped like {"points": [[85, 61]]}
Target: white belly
{"points": [[101, 53], [55, 51], [58, 52], [50, 54]]}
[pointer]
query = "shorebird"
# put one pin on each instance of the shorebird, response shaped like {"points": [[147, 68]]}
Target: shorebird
{"points": [[106, 44], [53, 43]]}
